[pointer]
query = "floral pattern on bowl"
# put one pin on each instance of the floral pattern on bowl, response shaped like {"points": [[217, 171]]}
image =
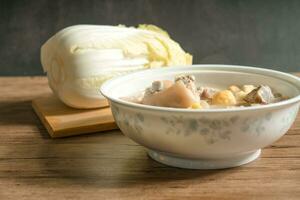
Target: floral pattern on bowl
{"points": [[129, 122], [211, 129]]}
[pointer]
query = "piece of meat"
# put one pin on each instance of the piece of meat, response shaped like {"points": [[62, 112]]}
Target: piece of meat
{"points": [[189, 82], [185, 78], [261, 95], [234, 88], [248, 88], [177, 96], [161, 85], [158, 86], [207, 93]]}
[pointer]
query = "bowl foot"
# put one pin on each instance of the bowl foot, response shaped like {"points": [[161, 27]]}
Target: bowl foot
{"points": [[174, 161]]}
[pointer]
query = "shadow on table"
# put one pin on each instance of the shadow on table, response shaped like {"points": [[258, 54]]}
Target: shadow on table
{"points": [[95, 162], [19, 113], [104, 160]]}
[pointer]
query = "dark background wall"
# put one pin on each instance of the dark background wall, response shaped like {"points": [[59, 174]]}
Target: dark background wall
{"points": [[262, 33]]}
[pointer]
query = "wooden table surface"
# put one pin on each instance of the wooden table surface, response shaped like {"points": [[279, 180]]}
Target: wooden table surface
{"points": [[110, 166]]}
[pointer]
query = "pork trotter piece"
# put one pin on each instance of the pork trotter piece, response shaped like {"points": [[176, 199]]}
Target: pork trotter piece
{"points": [[261, 95], [177, 96]]}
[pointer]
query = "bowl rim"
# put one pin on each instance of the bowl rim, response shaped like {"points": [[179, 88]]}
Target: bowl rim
{"points": [[104, 90]]}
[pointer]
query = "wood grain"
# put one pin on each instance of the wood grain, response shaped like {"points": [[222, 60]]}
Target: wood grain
{"points": [[61, 120], [110, 166]]}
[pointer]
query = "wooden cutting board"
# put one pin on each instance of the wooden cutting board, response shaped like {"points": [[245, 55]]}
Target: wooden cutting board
{"points": [[61, 120]]}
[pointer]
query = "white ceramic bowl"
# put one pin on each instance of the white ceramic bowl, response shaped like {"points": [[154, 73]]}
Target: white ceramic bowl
{"points": [[208, 138]]}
